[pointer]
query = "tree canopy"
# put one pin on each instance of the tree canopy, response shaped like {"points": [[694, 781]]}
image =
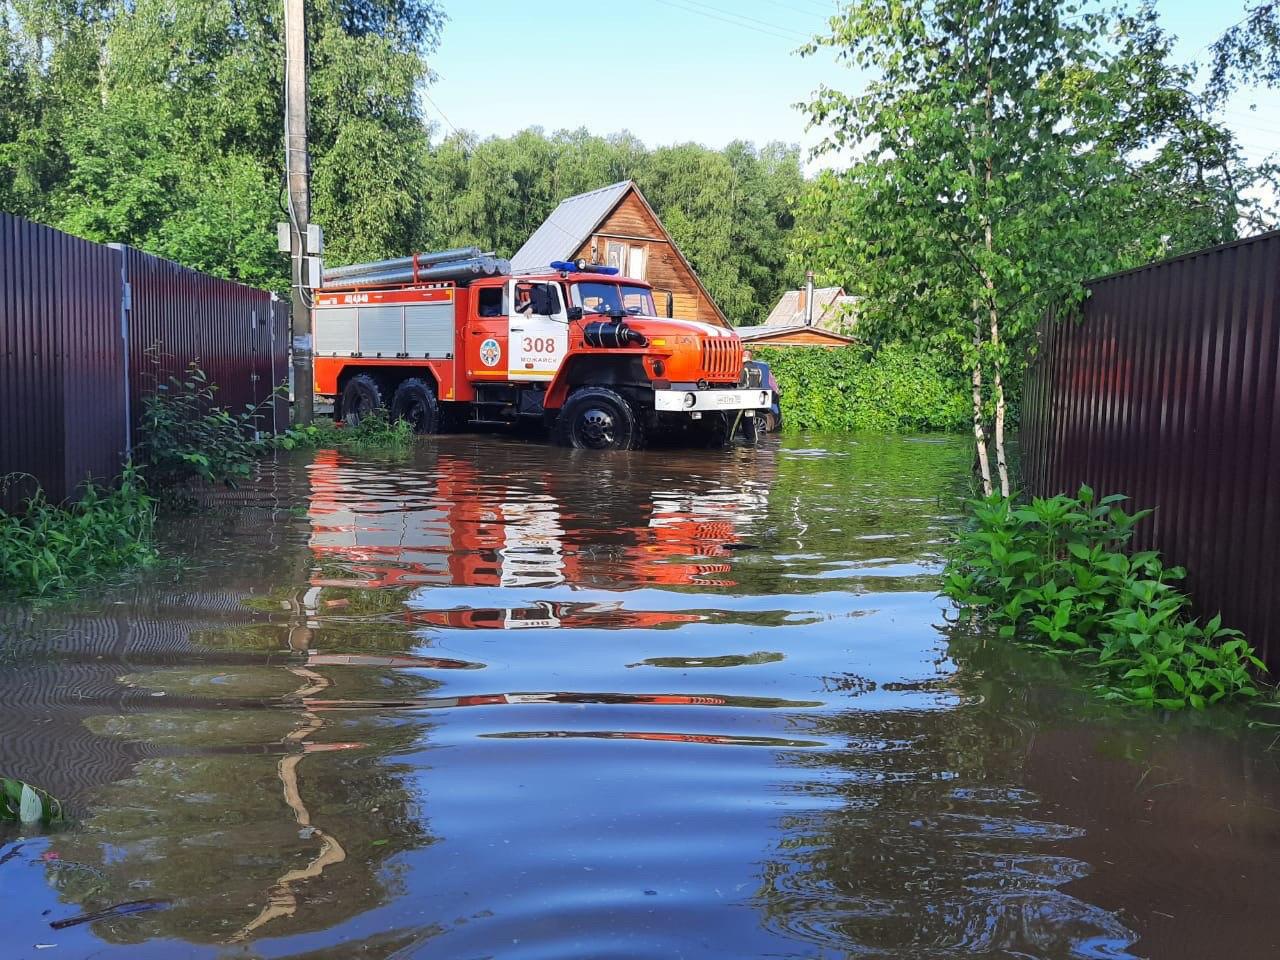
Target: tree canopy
{"points": [[730, 210], [1007, 150], [158, 123]]}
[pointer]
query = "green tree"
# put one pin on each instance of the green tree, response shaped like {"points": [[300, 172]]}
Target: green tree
{"points": [[1249, 51], [1007, 151], [158, 123]]}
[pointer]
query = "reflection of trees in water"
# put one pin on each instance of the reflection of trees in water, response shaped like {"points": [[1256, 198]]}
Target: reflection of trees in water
{"points": [[921, 840], [830, 509], [274, 838]]}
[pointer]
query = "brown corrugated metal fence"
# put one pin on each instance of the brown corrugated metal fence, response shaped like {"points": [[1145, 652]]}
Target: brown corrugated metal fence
{"points": [[237, 334], [61, 360], [76, 321], [1167, 389]]}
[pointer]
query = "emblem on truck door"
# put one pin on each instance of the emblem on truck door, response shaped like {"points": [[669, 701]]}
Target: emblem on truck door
{"points": [[490, 352]]}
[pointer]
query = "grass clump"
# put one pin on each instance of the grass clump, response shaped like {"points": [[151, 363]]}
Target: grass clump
{"points": [[376, 433], [1054, 574], [50, 547]]}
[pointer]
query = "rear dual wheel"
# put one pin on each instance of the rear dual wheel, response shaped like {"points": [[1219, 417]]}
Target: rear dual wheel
{"points": [[415, 401], [361, 398]]}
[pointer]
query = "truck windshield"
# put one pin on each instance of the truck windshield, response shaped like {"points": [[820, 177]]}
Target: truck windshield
{"points": [[612, 298]]}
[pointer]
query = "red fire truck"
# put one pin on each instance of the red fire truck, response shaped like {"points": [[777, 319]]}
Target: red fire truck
{"points": [[450, 339]]}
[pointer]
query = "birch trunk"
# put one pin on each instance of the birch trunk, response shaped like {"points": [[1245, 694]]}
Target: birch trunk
{"points": [[979, 434], [1002, 465], [997, 382]]}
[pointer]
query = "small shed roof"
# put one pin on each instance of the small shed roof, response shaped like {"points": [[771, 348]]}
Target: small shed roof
{"points": [[568, 227], [764, 333], [827, 301]]}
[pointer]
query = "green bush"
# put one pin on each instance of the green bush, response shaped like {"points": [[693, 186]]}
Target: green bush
{"points": [[897, 388], [1053, 574], [48, 548], [183, 435]]}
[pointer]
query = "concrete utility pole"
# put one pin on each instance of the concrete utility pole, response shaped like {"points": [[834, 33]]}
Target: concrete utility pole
{"points": [[297, 165]]}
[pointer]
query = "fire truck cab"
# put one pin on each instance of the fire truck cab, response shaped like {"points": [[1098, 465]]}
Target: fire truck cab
{"points": [[577, 346]]}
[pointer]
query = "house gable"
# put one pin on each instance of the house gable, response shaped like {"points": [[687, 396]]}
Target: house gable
{"points": [[616, 225]]}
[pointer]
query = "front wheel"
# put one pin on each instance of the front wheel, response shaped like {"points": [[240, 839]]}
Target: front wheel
{"points": [[596, 418], [415, 401]]}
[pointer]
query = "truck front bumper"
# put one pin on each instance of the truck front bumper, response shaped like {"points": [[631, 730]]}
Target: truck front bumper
{"points": [[705, 401]]}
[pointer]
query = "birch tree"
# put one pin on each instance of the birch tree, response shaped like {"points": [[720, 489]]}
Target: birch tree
{"points": [[1005, 151]]}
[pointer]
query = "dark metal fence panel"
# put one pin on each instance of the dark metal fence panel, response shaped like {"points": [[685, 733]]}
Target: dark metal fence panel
{"points": [[1167, 389], [179, 316], [77, 320], [61, 360]]}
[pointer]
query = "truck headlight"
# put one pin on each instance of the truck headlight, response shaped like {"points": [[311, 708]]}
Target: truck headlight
{"points": [[689, 400], [764, 398]]}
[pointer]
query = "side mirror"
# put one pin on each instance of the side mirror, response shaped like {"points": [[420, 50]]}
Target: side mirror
{"points": [[575, 313], [543, 300]]}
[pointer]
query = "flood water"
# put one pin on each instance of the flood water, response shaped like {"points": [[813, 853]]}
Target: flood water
{"points": [[505, 700]]}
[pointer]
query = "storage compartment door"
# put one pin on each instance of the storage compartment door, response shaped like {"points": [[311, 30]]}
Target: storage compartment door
{"points": [[428, 330]]}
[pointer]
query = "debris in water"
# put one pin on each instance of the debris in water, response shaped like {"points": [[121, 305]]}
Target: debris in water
{"points": [[119, 910]]}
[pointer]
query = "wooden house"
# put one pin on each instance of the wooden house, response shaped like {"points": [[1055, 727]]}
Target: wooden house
{"points": [[616, 226], [821, 317]]}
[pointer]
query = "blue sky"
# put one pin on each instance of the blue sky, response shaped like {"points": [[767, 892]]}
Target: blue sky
{"points": [[709, 71]]}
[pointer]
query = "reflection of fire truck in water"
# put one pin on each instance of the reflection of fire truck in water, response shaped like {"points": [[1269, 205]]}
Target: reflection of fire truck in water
{"points": [[464, 530]]}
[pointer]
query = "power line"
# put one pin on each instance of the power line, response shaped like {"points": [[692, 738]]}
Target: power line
{"points": [[742, 16], [475, 155], [734, 23]]}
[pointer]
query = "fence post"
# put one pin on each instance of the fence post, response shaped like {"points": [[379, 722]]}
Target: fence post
{"points": [[126, 305]]}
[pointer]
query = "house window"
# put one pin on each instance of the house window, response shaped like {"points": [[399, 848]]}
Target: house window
{"points": [[636, 263], [616, 255]]}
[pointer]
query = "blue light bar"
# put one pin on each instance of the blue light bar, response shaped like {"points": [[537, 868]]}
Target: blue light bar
{"points": [[582, 266]]}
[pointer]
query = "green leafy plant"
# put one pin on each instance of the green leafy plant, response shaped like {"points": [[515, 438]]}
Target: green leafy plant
{"points": [[20, 802], [896, 388], [184, 435], [374, 434], [46, 548], [1054, 574]]}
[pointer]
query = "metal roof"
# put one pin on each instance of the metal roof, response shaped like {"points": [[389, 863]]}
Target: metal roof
{"points": [[568, 227], [765, 331], [789, 311]]}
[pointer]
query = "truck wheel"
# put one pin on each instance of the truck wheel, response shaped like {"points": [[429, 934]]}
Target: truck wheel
{"points": [[415, 401], [596, 418], [361, 397]]}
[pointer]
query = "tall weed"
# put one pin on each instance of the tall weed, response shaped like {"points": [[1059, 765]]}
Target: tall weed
{"points": [[184, 435], [374, 434]]}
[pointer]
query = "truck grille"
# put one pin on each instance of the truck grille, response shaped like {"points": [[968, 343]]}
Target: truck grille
{"points": [[722, 357]]}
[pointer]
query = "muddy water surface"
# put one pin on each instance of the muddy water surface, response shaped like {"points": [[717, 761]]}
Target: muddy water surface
{"points": [[505, 701]]}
